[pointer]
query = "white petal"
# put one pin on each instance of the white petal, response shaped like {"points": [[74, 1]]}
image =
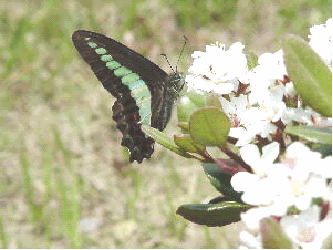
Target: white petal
{"points": [[250, 154], [242, 180], [270, 152], [296, 149]]}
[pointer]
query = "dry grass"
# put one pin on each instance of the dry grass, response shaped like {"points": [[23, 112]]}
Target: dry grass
{"points": [[64, 179]]}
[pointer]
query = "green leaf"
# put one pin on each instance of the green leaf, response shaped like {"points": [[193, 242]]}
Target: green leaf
{"points": [[311, 76], [220, 180], [163, 140], [186, 143], [273, 236], [188, 105], [312, 134], [209, 126], [213, 215]]}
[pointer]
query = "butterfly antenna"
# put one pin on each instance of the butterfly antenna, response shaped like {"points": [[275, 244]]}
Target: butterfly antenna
{"points": [[181, 52], [166, 58]]}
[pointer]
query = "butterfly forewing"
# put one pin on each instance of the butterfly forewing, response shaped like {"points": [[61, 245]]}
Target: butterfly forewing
{"points": [[148, 71]]}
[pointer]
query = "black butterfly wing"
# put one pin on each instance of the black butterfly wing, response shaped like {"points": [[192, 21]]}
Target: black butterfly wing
{"points": [[148, 71], [125, 110]]}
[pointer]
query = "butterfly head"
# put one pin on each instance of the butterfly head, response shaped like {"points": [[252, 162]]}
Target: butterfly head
{"points": [[175, 82]]}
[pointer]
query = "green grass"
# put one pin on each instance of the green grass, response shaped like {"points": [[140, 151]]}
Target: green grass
{"points": [[61, 162]]}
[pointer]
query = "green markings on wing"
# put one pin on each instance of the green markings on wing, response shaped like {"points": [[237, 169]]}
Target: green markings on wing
{"points": [[92, 45], [130, 78], [100, 51], [136, 84], [138, 88], [112, 65], [122, 71], [106, 58], [142, 98]]}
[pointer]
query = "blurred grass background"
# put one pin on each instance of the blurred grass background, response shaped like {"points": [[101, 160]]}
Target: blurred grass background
{"points": [[65, 181]]}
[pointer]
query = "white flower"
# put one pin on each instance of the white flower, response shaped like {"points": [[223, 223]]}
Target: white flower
{"points": [[266, 88], [260, 163], [256, 108], [253, 114], [270, 69], [305, 162], [321, 40], [246, 121], [261, 181], [274, 187], [242, 180], [306, 230], [217, 70]]}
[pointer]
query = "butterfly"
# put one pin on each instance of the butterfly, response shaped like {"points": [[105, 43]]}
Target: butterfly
{"points": [[144, 93]]}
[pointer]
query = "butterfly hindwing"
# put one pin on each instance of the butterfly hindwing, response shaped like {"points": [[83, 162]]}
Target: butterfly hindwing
{"points": [[126, 117]]}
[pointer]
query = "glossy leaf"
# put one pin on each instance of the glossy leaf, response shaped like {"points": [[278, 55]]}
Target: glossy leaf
{"points": [[312, 134], [311, 76], [213, 215], [209, 126], [220, 180]]}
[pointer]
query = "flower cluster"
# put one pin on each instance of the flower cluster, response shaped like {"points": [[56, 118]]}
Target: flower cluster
{"points": [[257, 101], [294, 182], [260, 102], [217, 70]]}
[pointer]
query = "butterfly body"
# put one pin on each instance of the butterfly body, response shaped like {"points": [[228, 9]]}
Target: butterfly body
{"points": [[144, 93]]}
